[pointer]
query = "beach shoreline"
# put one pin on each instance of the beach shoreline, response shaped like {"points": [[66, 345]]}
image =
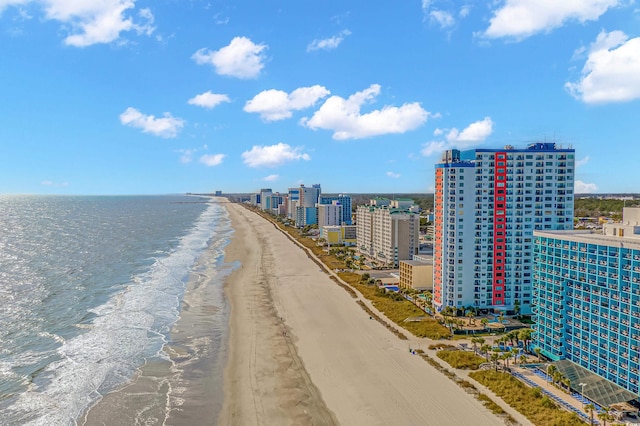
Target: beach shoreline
{"points": [[296, 350], [264, 381], [302, 351]]}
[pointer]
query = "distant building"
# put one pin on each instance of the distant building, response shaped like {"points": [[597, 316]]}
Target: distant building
{"points": [[218, 193], [339, 235], [488, 202], [265, 198], [587, 305], [293, 202], [344, 200], [387, 235], [329, 214], [277, 203], [306, 213]]}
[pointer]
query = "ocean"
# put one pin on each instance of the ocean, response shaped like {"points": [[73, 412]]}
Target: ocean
{"points": [[91, 290]]}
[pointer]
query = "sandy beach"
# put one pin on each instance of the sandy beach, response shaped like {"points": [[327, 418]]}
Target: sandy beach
{"points": [[303, 352]]}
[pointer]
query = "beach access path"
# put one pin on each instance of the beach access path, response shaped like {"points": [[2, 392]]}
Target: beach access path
{"points": [[303, 352]]}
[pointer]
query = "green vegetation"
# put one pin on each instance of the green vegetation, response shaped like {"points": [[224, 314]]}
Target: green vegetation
{"points": [[398, 309], [461, 359], [595, 207], [492, 406], [528, 401]]}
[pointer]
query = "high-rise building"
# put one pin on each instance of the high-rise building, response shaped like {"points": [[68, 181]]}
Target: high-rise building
{"points": [[265, 198], [587, 305], [344, 200], [387, 234], [487, 204], [294, 202], [329, 214], [306, 213]]}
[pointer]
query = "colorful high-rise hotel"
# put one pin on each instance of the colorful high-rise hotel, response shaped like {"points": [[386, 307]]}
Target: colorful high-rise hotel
{"points": [[488, 202], [587, 305]]}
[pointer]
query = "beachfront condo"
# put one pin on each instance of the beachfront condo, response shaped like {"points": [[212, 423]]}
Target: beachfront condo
{"points": [[487, 204], [587, 304], [387, 231]]}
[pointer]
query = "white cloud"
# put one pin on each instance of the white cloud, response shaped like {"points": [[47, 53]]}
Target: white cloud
{"points": [[242, 58], [271, 178], [581, 187], [464, 11], [433, 147], [611, 72], [212, 159], [52, 183], [582, 162], [187, 155], [166, 127], [474, 134], [328, 43], [442, 18], [273, 155], [208, 100], [343, 116], [393, 175], [93, 21], [520, 19], [275, 105]]}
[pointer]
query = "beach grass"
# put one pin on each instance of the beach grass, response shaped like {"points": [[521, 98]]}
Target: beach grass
{"points": [[528, 401], [398, 309], [461, 359], [490, 404]]}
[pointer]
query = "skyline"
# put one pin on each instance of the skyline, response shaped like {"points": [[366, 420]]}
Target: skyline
{"points": [[141, 97]]}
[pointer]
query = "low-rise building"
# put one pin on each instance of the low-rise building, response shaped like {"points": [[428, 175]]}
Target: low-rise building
{"points": [[416, 275], [339, 235]]}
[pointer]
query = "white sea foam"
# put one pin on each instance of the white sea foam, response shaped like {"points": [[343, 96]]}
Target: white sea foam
{"points": [[130, 327]]}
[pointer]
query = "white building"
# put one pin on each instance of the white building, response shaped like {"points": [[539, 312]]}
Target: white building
{"points": [[265, 198], [329, 214], [387, 235], [487, 204]]}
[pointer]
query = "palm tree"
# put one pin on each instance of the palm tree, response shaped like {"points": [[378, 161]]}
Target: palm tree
{"points": [[494, 358], [484, 322], [524, 334], [558, 377], [505, 357], [590, 408], [551, 370], [516, 308], [537, 351], [604, 415], [476, 341], [523, 359], [470, 316], [514, 354], [485, 349]]}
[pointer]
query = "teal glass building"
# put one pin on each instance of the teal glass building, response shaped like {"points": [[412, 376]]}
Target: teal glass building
{"points": [[586, 299]]}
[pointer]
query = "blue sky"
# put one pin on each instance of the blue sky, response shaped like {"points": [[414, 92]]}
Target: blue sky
{"points": [[166, 96]]}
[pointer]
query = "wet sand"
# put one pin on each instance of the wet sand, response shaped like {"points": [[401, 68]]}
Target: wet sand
{"points": [[302, 352], [186, 389]]}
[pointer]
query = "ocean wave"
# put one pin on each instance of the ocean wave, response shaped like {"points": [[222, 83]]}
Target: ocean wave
{"points": [[130, 327]]}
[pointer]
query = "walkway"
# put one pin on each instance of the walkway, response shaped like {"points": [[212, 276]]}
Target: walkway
{"points": [[539, 379]]}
